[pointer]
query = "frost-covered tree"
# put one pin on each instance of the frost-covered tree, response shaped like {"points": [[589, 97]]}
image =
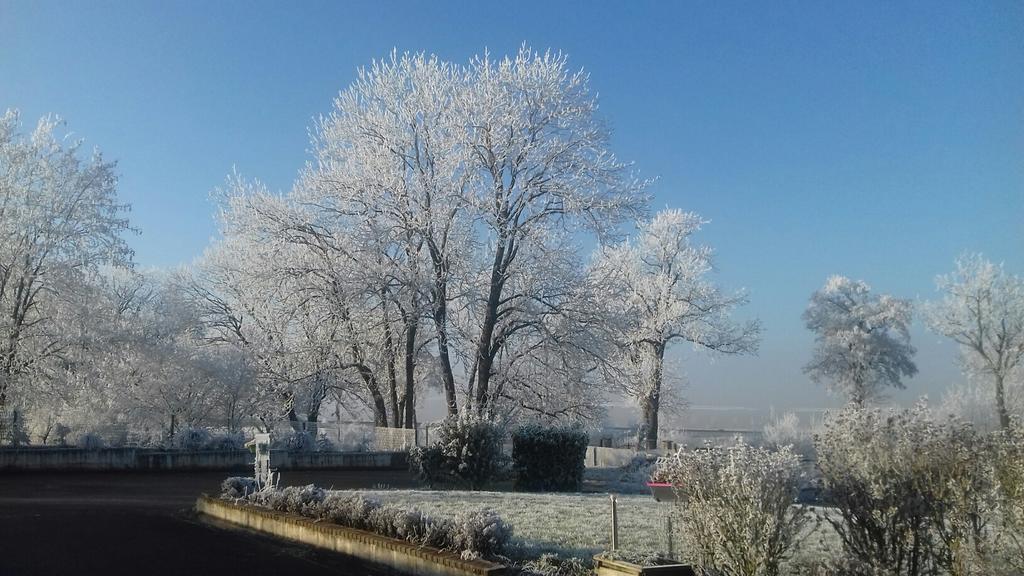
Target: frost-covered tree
{"points": [[982, 310], [390, 159], [440, 209], [59, 220], [537, 162], [863, 339], [659, 293]]}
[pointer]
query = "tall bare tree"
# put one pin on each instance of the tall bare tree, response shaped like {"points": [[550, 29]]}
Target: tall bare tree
{"points": [[982, 310]]}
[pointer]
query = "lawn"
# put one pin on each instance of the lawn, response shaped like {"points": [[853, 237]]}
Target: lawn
{"points": [[565, 524]]}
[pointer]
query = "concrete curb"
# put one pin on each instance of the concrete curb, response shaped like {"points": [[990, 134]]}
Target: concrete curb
{"points": [[397, 554]]}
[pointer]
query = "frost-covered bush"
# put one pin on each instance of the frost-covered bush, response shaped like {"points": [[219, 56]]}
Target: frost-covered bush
{"points": [[787, 431], [294, 441], [548, 459], [195, 439], [916, 494], [478, 534], [237, 487], [553, 565], [737, 502], [1008, 463], [428, 464], [303, 500], [468, 451], [190, 439]]}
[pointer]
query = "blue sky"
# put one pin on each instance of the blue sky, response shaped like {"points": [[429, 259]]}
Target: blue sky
{"points": [[875, 140]]}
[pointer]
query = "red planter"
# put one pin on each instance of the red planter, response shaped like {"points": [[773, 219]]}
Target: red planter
{"points": [[662, 491]]}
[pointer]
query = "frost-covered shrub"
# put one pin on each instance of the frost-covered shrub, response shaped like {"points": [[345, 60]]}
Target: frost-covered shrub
{"points": [[479, 534], [294, 441], [428, 464], [303, 500], [237, 487], [468, 451], [195, 439], [1008, 463], [548, 459], [190, 439], [553, 565], [787, 431], [737, 502], [916, 494]]}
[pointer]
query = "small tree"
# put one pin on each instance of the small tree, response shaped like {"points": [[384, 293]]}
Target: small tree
{"points": [[863, 339], [983, 311], [659, 294], [737, 503]]}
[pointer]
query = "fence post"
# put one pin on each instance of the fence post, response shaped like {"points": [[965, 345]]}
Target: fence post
{"points": [[668, 531], [615, 524]]}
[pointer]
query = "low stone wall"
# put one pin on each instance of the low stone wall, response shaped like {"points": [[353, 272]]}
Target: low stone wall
{"points": [[600, 457], [81, 459], [397, 554]]}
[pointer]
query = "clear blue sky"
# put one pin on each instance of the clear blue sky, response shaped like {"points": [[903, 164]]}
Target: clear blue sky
{"points": [[875, 140]]}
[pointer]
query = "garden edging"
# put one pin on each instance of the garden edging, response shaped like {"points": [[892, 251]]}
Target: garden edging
{"points": [[397, 554]]}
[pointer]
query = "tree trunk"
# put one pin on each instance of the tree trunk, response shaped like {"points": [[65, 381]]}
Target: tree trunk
{"points": [[485, 355], [440, 315], [389, 344], [647, 438], [443, 356], [1004, 415], [410, 373]]}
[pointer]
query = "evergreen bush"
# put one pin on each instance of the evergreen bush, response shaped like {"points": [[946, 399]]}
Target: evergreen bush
{"points": [[548, 459]]}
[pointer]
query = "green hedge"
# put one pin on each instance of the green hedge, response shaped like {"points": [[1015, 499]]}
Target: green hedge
{"points": [[548, 459]]}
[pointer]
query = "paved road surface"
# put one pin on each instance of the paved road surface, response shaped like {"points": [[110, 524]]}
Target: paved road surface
{"points": [[142, 524]]}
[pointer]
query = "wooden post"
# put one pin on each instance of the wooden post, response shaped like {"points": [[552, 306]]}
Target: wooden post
{"points": [[668, 532], [615, 525]]}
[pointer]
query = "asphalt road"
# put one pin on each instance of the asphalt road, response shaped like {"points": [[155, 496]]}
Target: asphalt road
{"points": [[142, 524]]}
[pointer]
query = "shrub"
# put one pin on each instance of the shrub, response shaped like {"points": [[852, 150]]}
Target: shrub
{"points": [[738, 505], [915, 494], [237, 487], [553, 565], [548, 459], [1008, 468], [786, 431], [468, 451], [478, 534], [481, 533], [294, 441], [196, 439], [428, 465]]}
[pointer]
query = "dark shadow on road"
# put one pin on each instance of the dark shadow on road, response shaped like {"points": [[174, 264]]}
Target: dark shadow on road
{"points": [[143, 524]]}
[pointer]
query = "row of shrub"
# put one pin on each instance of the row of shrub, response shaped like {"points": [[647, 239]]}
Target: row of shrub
{"points": [[469, 452], [480, 534], [914, 495]]}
